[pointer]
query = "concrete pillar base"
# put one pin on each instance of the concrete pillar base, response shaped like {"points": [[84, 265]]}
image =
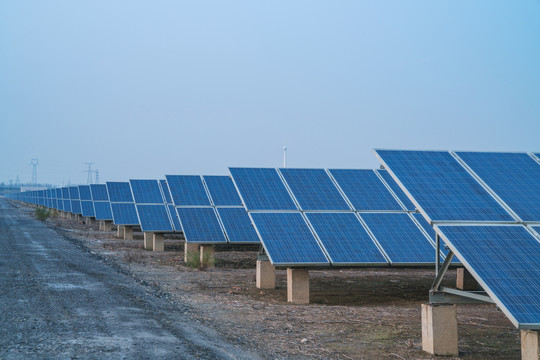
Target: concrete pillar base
{"points": [[158, 242], [120, 231], [529, 345], [207, 256], [105, 225], [128, 233], [190, 250], [439, 329], [78, 218], [148, 241], [266, 275], [297, 286], [465, 280], [88, 221]]}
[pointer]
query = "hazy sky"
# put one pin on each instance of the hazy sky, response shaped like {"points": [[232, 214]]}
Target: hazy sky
{"points": [[144, 89]]}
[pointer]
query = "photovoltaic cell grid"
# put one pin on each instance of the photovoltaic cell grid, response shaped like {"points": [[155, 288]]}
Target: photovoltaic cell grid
{"points": [[262, 189], [165, 189], [76, 207], [396, 189], [74, 193], [102, 210], [222, 191], [288, 239], [99, 192], [345, 239], [365, 190], [200, 225], [84, 192], [187, 190], [314, 190], [443, 188], [400, 238], [87, 208], [237, 225], [146, 192], [514, 177], [174, 217], [505, 260], [124, 213], [119, 192], [154, 218]]}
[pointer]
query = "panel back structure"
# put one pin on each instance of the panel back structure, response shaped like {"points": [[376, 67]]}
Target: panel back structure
{"points": [[150, 206], [122, 204], [100, 199]]}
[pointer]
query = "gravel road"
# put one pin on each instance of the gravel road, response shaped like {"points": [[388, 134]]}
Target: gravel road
{"points": [[59, 301]]}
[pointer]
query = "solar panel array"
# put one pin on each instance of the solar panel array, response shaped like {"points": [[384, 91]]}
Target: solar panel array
{"points": [[100, 198], [151, 207], [486, 207], [327, 209], [122, 204]]}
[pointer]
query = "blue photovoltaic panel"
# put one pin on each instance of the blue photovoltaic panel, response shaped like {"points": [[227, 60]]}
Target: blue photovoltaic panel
{"points": [[365, 190], [166, 193], [60, 204], [119, 192], [65, 193], [200, 225], [187, 190], [174, 216], [67, 205], [76, 207], [400, 238], [505, 260], [314, 190], [87, 208], [124, 214], [514, 177], [58, 193], [397, 190], [154, 218], [99, 192], [345, 239], [237, 225], [442, 187], [262, 189], [84, 192], [222, 191], [431, 232], [288, 240], [146, 191], [74, 192], [102, 209]]}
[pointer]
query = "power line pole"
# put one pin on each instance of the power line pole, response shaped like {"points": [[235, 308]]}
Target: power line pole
{"points": [[285, 156], [89, 173], [97, 176], [34, 163]]}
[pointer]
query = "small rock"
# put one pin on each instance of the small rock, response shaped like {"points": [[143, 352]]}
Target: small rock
{"points": [[304, 340]]}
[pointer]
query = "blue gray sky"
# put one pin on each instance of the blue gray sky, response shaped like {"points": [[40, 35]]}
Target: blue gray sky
{"points": [[148, 88]]}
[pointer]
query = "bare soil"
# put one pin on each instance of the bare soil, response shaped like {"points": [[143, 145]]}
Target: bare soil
{"points": [[355, 313]]}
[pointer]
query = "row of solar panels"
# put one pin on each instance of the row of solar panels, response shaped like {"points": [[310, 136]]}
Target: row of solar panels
{"points": [[486, 207], [302, 217]]}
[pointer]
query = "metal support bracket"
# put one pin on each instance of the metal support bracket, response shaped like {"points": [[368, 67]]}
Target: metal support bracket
{"points": [[442, 271], [453, 296]]}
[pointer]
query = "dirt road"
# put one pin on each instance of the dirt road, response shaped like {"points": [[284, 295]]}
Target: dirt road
{"points": [[58, 300]]}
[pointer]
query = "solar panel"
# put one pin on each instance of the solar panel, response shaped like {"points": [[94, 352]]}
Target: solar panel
{"points": [[76, 207], [87, 208], [102, 209], [146, 191], [174, 217], [365, 190], [59, 202], [65, 193], [345, 239], [314, 190], [165, 190], [119, 192], [514, 177], [222, 191], [84, 192], [124, 214], [187, 190], [400, 238], [153, 217], [444, 190], [262, 189], [74, 192], [504, 260], [288, 239], [396, 189], [237, 225], [67, 205], [200, 225], [425, 225], [99, 192]]}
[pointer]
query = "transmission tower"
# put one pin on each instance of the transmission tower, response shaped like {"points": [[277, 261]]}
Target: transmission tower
{"points": [[89, 172], [97, 176], [34, 163]]}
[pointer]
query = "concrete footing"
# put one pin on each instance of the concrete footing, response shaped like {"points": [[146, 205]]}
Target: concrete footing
{"points": [[465, 280], [88, 221], [128, 233], [120, 231], [439, 329], [78, 218], [297, 286], [158, 242], [207, 256], [266, 275], [529, 345], [105, 225], [190, 250], [148, 243]]}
